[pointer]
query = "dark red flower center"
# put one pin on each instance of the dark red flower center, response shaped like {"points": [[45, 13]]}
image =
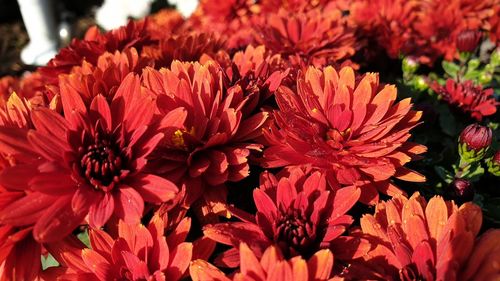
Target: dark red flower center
{"points": [[101, 163], [294, 232]]}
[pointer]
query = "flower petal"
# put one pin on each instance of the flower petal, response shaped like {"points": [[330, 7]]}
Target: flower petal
{"points": [[152, 188]]}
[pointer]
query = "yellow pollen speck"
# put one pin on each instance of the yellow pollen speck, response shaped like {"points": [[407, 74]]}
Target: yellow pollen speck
{"points": [[177, 138], [314, 110]]}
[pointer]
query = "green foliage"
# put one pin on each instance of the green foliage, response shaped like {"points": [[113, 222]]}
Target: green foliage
{"points": [[48, 261]]}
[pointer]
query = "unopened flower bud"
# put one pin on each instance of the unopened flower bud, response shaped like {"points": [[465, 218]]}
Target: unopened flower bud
{"points": [[473, 142], [468, 40], [462, 189], [494, 164]]}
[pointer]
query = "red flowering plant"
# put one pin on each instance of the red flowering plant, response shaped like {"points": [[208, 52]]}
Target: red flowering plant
{"points": [[138, 253], [426, 30], [298, 214], [434, 240], [353, 131], [217, 133], [271, 266], [133, 154], [313, 37], [469, 98], [89, 162]]}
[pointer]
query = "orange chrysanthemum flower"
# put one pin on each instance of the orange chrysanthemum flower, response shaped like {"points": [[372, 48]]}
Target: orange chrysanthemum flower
{"points": [[315, 37], [163, 23], [185, 47], [233, 19], [137, 253], [88, 80], [219, 128], [418, 240], [134, 34], [353, 131], [272, 266], [89, 162]]}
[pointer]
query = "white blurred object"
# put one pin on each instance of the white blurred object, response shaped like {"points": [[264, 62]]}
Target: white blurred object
{"points": [[38, 17], [185, 7], [115, 13]]}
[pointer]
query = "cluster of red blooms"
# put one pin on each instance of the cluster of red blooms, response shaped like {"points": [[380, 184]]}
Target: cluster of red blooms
{"points": [[426, 30], [136, 137]]}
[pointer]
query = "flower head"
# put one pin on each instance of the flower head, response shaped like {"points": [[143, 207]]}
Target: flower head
{"points": [[468, 40], [271, 266], [415, 239], [186, 47], [469, 98], [354, 132], [308, 37], [474, 140], [89, 162], [462, 189], [219, 122], [427, 30], [138, 253], [298, 215], [94, 45]]}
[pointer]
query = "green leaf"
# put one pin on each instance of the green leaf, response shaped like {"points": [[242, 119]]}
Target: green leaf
{"points": [[49, 261], [84, 237], [493, 125], [474, 172], [473, 64], [472, 75], [450, 68], [444, 174]]}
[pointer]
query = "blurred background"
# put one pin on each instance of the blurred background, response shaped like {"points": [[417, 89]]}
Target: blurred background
{"points": [[51, 24]]}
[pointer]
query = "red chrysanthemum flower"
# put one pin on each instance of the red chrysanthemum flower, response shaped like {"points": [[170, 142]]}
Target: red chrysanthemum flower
{"points": [[314, 37], [352, 131], [103, 78], [468, 97], [233, 19], [258, 73], [163, 23], [418, 240], [426, 30], [387, 23], [186, 47], [297, 214], [138, 253], [272, 266], [134, 34], [30, 87], [215, 142], [88, 163]]}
